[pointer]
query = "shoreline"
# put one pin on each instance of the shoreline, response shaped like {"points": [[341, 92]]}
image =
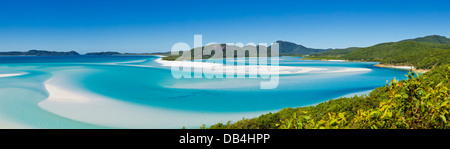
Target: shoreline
{"points": [[405, 67], [402, 67], [349, 95], [79, 104], [91, 108], [247, 69], [334, 60]]}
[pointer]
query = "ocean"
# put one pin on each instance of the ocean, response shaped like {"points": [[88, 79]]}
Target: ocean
{"points": [[140, 92]]}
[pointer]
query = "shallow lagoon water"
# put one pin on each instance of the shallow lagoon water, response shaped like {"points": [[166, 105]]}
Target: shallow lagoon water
{"points": [[137, 92]]}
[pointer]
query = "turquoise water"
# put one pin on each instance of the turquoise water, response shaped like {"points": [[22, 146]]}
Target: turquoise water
{"points": [[140, 81]]}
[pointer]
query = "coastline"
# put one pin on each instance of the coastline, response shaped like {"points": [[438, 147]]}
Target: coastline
{"points": [[248, 69], [81, 105], [72, 102], [84, 106], [406, 67], [334, 60], [402, 67], [349, 95]]}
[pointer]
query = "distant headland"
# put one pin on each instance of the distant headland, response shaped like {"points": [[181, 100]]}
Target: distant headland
{"points": [[38, 53], [286, 48], [70, 53]]}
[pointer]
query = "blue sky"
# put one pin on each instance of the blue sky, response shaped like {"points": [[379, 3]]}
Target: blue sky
{"points": [[152, 26]]}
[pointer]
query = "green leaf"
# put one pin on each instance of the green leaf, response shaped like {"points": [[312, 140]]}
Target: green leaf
{"points": [[443, 118], [440, 84], [307, 117], [405, 96]]}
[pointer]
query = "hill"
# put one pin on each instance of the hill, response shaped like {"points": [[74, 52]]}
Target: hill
{"points": [[285, 48], [221, 47], [38, 53], [335, 52], [420, 102], [289, 48], [432, 39], [103, 53], [422, 53]]}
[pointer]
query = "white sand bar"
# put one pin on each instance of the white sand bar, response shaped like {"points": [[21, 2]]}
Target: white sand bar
{"points": [[77, 104], [12, 74], [248, 69]]}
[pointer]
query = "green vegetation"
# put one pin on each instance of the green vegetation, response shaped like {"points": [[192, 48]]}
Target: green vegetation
{"points": [[418, 54], [317, 58], [285, 49], [38, 53], [222, 47], [416, 103], [103, 53], [171, 57], [432, 39], [422, 53], [288, 48], [334, 53], [145, 54]]}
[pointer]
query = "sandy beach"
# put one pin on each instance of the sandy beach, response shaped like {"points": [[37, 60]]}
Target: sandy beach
{"points": [[333, 60], [248, 69], [403, 67], [81, 105]]}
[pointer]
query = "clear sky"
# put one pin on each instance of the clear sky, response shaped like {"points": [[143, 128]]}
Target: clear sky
{"points": [[152, 26]]}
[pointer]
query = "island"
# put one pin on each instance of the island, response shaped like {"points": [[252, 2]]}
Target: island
{"points": [[39, 53], [286, 48], [103, 53], [422, 101], [423, 53]]}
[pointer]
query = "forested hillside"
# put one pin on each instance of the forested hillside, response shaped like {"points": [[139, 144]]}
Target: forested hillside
{"points": [[289, 48], [432, 39], [285, 48], [418, 54], [423, 53], [38, 53], [335, 52], [421, 101]]}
